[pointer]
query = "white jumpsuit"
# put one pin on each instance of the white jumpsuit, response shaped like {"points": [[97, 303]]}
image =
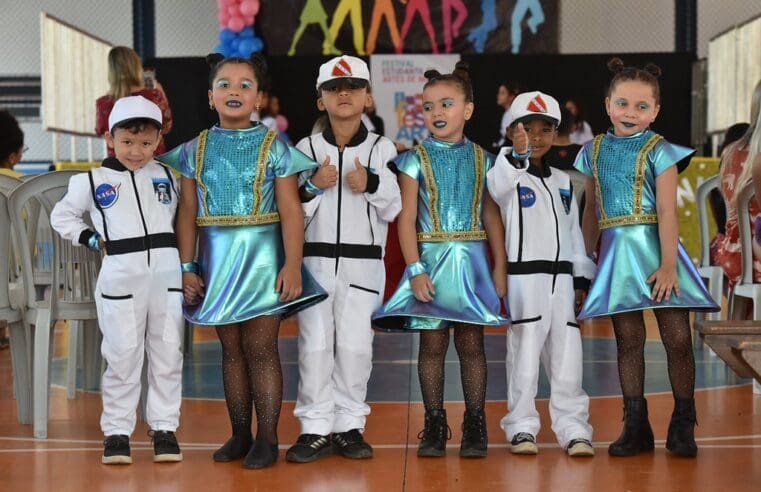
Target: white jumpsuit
{"points": [[139, 288], [546, 258], [344, 245]]}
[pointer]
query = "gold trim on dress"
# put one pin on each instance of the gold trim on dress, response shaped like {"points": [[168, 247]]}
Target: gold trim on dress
{"points": [[451, 236], [200, 154], [598, 189], [231, 220], [628, 220], [430, 184], [479, 187], [261, 169], [639, 179]]}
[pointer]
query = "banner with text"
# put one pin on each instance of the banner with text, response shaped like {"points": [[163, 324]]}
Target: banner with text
{"points": [[397, 82]]}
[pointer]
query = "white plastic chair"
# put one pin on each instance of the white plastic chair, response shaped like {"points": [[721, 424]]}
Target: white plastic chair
{"points": [[11, 313], [712, 275], [746, 290], [74, 269]]}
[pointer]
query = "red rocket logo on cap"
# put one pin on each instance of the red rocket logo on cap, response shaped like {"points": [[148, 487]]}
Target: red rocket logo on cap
{"points": [[341, 69], [537, 105]]}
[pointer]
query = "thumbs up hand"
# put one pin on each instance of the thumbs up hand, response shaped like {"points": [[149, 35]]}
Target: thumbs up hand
{"points": [[520, 139], [326, 175], [357, 179]]}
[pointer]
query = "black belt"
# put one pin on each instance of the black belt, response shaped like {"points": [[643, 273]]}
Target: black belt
{"points": [[142, 243], [332, 250], [539, 266]]}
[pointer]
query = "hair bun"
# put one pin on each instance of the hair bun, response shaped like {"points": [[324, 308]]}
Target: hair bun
{"points": [[213, 58], [653, 70], [431, 74], [616, 65], [258, 61], [462, 70]]}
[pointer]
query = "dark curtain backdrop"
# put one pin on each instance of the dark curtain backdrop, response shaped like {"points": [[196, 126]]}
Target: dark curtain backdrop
{"points": [[583, 77]]}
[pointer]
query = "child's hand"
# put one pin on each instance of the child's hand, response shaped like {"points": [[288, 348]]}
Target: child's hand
{"points": [[422, 287], [664, 280], [499, 275], [520, 139], [326, 175], [357, 179], [288, 282], [581, 296], [192, 288]]}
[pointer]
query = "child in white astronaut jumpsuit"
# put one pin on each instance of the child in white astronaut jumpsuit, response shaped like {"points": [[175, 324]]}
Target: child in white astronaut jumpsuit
{"points": [[546, 262], [131, 200]]}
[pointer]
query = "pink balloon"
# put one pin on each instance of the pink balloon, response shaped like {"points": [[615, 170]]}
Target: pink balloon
{"points": [[224, 3], [223, 17], [282, 122], [233, 10], [236, 24], [249, 20], [249, 7]]}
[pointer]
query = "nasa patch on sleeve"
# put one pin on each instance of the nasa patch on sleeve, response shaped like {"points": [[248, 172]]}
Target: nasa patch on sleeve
{"points": [[106, 194]]}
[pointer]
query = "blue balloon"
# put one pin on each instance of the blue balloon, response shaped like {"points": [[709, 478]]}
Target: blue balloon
{"points": [[246, 47], [226, 35], [235, 44], [258, 44], [248, 32]]}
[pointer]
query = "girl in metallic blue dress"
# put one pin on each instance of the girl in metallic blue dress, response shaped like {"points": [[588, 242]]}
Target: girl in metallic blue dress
{"points": [[631, 198], [240, 201], [446, 216]]}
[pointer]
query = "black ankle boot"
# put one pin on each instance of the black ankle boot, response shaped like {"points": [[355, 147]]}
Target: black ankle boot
{"points": [[637, 436], [681, 435], [261, 455], [235, 448], [474, 438], [433, 438]]}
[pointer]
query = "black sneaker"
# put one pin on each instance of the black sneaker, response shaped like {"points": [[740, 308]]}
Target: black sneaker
{"points": [[308, 448], [523, 443], [351, 444], [165, 447], [116, 450]]}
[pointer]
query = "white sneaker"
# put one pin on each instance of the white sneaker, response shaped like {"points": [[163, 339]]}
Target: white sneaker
{"points": [[523, 443], [580, 448]]}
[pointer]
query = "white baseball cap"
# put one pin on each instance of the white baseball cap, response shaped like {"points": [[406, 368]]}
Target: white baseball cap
{"points": [[534, 105], [343, 67], [132, 107]]}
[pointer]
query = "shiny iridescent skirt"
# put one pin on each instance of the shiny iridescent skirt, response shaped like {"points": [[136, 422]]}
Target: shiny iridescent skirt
{"points": [[628, 256], [464, 288], [239, 266]]}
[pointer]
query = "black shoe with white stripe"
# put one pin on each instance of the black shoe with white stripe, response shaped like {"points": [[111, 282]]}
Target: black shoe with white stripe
{"points": [[308, 448], [351, 444]]}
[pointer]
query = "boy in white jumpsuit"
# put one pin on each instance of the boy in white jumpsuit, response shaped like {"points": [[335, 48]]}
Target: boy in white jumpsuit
{"points": [[132, 200], [546, 262], [348, 204]]}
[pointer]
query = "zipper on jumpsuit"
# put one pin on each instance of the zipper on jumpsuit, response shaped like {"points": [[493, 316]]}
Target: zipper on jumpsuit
{"points": [[338, 215], [140, 209], [557, 235]]}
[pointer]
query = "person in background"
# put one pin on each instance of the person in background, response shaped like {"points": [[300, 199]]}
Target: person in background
{"points": [[506, 92], [583, 132], [126, 77], [715, 200]]}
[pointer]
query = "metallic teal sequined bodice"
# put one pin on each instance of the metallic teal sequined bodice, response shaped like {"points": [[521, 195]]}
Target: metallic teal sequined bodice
{"points": [[617, 172], [229, 170], [454, 173]]}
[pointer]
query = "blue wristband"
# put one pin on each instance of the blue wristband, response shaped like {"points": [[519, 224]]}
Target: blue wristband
{"points": [[310, 188], [415, 269], [94, 242], [521, 157], [190, 267]]}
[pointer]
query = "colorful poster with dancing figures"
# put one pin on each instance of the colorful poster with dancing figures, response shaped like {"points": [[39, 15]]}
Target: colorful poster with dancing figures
{"points": [[397, 82], [329, 27]]}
